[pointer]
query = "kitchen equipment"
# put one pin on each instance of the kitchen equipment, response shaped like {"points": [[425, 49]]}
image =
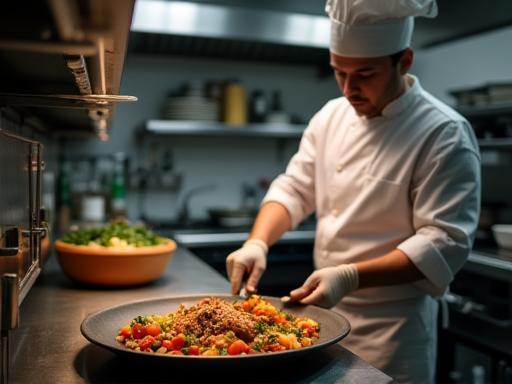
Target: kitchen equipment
{"points": [[277, 115], [494, 93], [235, 103], [102, 327], [114, 266], [258, 106], [21, 230], [232, 217], [190, 108], [503, 235]]}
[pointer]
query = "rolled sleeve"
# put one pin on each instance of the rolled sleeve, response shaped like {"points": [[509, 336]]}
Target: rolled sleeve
{"points": [[430, 261], [278, 193], [446, 205], [295, 189]]}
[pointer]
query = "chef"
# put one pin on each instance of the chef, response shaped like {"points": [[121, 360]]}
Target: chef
{"points": [[393, 175]]}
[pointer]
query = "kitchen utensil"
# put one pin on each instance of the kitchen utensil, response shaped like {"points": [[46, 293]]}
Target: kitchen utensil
{"points": [[232, 217], [114, 266], [243, 292], [503, 235], [101, 328]]}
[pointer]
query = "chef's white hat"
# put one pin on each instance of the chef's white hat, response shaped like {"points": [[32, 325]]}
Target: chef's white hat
{"points": [[373, 28]]}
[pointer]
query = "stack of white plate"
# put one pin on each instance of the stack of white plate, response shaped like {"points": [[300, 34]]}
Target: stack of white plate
{"points": [[190, 108]]}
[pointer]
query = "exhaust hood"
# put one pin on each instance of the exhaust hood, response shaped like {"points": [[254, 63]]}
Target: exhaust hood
{"points": [[271, 30], [193, 29]]}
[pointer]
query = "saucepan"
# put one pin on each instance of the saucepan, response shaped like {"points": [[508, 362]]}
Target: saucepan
{"points": [[232, 217]]}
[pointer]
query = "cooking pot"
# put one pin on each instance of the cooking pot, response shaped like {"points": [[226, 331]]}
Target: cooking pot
{"points": [[232, 217]]}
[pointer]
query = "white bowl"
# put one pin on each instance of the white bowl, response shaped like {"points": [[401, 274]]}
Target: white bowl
{"points": [[503, 235]]}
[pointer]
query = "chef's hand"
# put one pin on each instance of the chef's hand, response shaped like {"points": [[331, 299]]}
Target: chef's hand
{"points": [[327, 286], [251, 258]]}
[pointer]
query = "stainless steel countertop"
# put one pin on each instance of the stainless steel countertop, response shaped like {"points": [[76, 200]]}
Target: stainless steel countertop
{"points": [[48, 346]]}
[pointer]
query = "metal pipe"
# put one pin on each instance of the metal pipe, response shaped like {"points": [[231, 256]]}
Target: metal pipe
{"points": [[67, 19]]}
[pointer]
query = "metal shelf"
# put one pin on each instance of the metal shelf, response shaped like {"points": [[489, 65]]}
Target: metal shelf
{"points": [[215, 128], [495, 143], [485, 111]]}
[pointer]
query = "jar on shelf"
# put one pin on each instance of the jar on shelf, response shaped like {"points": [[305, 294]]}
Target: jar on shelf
{"points": [[234, 103], [258, 106]]}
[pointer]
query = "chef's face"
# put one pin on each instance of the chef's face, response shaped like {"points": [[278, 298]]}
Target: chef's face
{"points": [[370, 84]]}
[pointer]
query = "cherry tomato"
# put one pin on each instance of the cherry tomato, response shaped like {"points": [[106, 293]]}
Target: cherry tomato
{"points": [[153, 329], [146, 342], [193, 350], [178, 342], [138, 331], [237, 347], [246, 306], [126, 331], [279, 319], [167, 344]]}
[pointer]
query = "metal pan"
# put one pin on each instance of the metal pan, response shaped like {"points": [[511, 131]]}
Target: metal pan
{"points": [[231, 218], [101, 328]]}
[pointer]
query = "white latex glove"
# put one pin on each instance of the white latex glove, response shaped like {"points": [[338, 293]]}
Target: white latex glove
{"points": [[327, 286], [251, 259]]}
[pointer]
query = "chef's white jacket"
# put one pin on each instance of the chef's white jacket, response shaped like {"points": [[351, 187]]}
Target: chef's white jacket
{"points": [[408, 179]]}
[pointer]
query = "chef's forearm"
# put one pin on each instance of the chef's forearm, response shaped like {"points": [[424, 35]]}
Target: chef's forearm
{"points": [[393, 268], [272, 222]]}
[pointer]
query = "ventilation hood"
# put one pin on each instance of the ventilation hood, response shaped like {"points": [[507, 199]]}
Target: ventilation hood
{"points": [[193, 29], [286, 30]]}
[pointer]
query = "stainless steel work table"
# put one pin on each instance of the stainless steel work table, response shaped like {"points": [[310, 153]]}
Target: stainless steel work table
{"points": [[49, 348]]}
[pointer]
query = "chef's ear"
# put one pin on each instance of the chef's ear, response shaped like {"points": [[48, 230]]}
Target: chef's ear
{"points": [[405, 61]]}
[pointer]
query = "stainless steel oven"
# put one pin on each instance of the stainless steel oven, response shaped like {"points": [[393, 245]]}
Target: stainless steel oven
{"points": [[478, 340], [21, 229]]}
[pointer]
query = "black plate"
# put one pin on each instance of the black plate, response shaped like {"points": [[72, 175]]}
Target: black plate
{"points": [[101, 328]]}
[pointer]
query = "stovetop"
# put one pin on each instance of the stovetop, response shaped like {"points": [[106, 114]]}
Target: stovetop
{"points": [[208, 227]]}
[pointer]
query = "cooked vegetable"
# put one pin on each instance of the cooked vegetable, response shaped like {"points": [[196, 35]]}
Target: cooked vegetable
{"points": [[215, 327], [118, 234]]}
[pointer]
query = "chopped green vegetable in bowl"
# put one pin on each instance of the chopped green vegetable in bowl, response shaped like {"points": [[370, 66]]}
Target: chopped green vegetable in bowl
{"points": [[118, 234]]}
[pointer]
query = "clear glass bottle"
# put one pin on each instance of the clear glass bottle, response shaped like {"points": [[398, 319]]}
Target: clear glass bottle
{"points": [[93, 200]]}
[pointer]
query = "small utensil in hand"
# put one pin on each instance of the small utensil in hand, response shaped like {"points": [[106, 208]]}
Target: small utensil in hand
{"points": [[243, 292], [285, 299]]}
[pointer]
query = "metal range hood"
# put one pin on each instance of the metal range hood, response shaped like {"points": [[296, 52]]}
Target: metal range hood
{"points": [[193, 29]]}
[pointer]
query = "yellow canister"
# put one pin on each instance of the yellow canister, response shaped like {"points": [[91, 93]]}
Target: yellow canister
{"points": [[235, 104]]}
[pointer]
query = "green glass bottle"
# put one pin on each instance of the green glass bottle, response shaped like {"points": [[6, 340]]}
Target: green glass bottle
{"points": [[118, 193]]}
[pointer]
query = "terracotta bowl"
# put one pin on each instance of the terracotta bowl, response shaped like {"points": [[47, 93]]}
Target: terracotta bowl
{"points": [[114, 266]]}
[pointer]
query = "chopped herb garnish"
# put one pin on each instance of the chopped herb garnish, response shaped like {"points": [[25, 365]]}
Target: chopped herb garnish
{"points": [[260, 327], [139, 319], [272, 338], [257, 346], [190, 339]]}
